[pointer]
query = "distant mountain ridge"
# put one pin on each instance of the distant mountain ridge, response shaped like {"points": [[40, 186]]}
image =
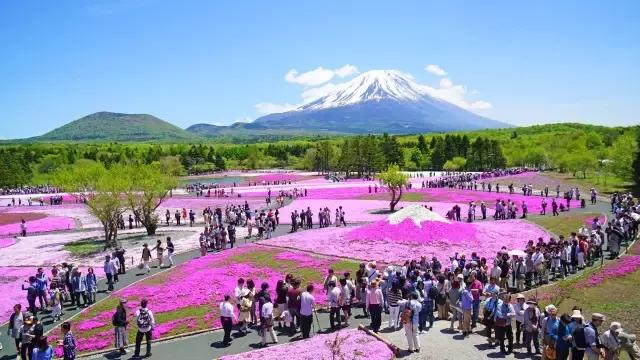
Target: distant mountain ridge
{"points": [[378, 101], [112, 126]]}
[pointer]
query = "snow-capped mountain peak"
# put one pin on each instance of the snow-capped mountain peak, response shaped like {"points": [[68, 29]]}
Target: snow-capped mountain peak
{"points": [[373, 85]]}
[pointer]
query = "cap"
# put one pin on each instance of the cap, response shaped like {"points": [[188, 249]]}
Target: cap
{"points": [[520, 296], [123, 301], [615, 326], [597, 316]]}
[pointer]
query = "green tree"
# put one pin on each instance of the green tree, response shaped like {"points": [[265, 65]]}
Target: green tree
{"points": [[455, 164], [636, 163], [147, 187], [171, 165], [622, 155], [101, 189], [422, 144], [394, 180]]}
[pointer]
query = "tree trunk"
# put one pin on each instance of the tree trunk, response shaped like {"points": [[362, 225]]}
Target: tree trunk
{"points": [[395, 200], [392, 204]]}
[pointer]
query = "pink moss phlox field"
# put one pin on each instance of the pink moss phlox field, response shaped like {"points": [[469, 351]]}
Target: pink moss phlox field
{"points": [[277, 177], [6, 242], [621, 267], [50, 223], [352, 344], [397, 243], [201, 282], [355, 210], [11, 280]]}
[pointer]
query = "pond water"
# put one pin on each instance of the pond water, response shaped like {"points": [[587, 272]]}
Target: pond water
{"points": [[214, 179]]}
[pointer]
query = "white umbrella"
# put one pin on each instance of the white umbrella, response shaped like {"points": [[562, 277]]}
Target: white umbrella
{"points": [[516, 252]]}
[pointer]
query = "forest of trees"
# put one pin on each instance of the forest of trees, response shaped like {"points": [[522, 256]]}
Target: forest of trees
{"points": [[577, 149]]}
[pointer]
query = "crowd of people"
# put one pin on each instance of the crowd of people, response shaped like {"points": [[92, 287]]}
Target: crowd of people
{"points": [[30, 189]]}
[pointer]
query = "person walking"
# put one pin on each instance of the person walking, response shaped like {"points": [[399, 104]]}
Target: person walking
{"points": [[91, 285], [307, 303], [266, 321], [108, 272], [16, 320], [145, 323], [146, 257], [374, 301], [410, 318], [227, 317], [68, 342], [119, 322], [170, 250], [159, 252]]}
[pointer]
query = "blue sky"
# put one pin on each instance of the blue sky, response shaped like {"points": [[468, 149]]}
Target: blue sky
{"points": [[212, 61]]}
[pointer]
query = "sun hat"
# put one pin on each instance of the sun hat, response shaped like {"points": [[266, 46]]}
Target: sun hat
{"points": [[577, 314], [615, 326], [551, 309], [520, 296]]}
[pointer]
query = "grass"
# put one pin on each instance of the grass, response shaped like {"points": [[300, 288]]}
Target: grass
{"points": [[95, 245], [604, 185], [564, 224], [406, 196]]}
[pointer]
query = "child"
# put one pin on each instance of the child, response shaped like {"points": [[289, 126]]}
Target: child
{"points": [[56, 303]]}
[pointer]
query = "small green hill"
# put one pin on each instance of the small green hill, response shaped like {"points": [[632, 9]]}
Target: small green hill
{"points": [[108, 126]]}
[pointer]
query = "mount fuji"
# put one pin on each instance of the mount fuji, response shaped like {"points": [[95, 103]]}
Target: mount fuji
{"points": [[377, 101]]}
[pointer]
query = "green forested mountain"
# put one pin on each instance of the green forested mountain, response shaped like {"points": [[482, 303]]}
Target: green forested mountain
{"points": [[109, 126]]}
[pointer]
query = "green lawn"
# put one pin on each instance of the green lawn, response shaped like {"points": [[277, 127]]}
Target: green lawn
{"points": [[565, 223], [604, 185]]}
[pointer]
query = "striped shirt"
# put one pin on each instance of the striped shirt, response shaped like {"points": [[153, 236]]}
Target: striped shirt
{"points": [[393, 297]]}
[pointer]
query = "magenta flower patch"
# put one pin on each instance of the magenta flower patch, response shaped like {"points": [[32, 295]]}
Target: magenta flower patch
{"points": [[621, 267], [346, 344]]}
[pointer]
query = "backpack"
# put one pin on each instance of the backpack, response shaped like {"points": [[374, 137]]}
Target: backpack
{"points": [[406, 315], [144, 319], [579, 338], [433, 293]]}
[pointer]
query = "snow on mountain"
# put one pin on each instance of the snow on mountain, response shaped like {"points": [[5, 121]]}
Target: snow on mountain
{"points": [[377, 101], [374, 85]]}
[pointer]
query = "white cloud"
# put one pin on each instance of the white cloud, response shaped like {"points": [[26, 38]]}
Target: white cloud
{"points": [[272, 108], [313, 77], [455, 94], [314, 93], [435, 69], [346, 70], [319, 75]]}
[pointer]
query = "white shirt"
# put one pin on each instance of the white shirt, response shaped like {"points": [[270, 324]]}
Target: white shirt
{"points": [[267, 310], [226, 310], [519, 310], [306, 304]]}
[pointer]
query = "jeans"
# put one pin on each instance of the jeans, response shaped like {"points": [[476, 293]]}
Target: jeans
{"points": [[305, 325], [139, 336], [475, 312], [227, 324], [376, 316], [109, 281], [530, 336], [334, 314], [501, 333], [425, 314]]}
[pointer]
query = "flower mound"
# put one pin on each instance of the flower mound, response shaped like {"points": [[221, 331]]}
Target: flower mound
{"points": [[408, 232], [346, 344], [622, 267]]}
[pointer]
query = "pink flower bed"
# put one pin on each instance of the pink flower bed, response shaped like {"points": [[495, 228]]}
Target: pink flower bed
{"points": [[11, 280], [388, 243], [623, 266], [277, 177], [355, 210], [463, 197], [349, 344], [6, 242], [200, 285], [51, 223]]}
